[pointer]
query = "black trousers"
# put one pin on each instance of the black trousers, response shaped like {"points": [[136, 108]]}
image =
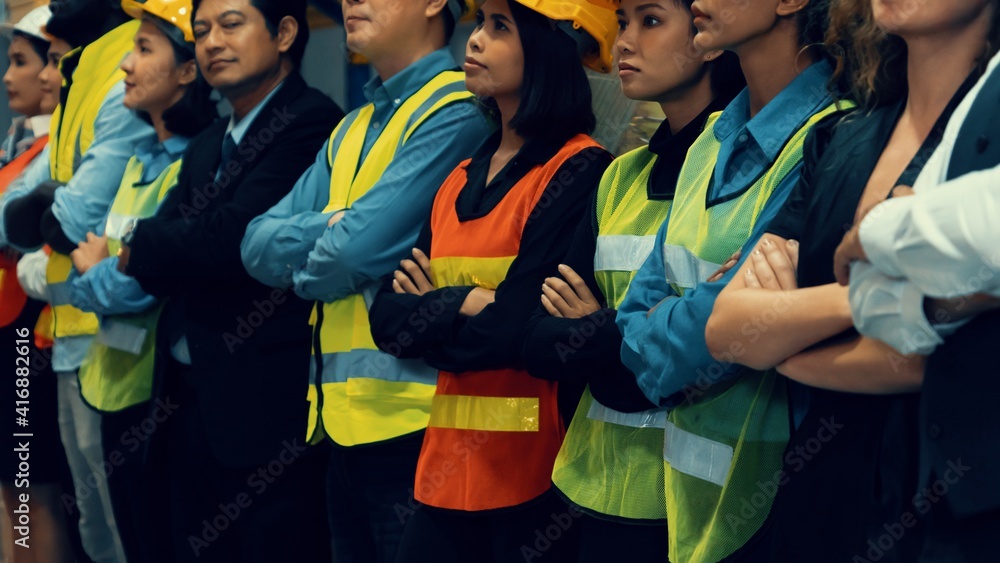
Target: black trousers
{"points": [[960, 540], [272, 512], [138, 490], [603, 541], [369, 497], [544, 530]]}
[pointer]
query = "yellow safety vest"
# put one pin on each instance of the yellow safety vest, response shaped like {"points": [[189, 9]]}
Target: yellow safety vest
{"points": [[611, 462], [723, 451], [118, 369], [71, 134], [362, 395]]}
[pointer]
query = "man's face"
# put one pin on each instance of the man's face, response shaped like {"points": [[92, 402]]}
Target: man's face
{"points": [[234, 48], [379, 29]]}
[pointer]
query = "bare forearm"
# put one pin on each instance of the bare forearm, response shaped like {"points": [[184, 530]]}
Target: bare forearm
{"points": [[774, 325], [861, 365], [941, 311]]}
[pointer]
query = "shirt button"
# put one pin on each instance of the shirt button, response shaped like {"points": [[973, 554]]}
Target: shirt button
{"points": [[981, 143], [375, 125], [933, 431], [742, 138], [396, 101]]}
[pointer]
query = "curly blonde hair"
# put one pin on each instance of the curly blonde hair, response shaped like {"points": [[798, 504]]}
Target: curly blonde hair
{"points": [[870, 64]]}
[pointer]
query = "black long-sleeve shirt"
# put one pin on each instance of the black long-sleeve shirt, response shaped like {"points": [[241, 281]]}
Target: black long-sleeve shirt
{"points": [[490, 340]]}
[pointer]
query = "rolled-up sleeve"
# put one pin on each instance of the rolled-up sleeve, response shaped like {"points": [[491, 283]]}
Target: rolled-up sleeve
{"points": [[892, 310], [943, 239], [381, 227], [106, 291]]}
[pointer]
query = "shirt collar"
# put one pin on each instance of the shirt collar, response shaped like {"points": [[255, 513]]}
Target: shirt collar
{"points": [[150, 149], [664, 141], [406, 82], [239, 128], [671, 149], [777, 120], [40, 124]]}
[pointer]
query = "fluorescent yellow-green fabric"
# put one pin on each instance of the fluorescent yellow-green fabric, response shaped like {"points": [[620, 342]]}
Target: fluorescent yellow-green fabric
{"points": [[118, 369], [367, 395], [71, 134], [721, 452], [611, 462], [72, 128]]}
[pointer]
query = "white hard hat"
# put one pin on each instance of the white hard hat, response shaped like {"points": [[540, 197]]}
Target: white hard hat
{"points": [[31, 24]]}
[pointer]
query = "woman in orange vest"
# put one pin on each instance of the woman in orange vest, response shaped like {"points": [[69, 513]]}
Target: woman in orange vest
{"points": [[30, 465], [499, 226]]}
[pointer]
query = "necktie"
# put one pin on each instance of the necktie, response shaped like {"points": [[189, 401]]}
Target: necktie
{"points": [[228, 147]]}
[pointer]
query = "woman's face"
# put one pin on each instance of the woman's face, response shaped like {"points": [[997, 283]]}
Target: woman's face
{"points": [[50, 77], [153, 80], [914, 18], [494, 59], [24, 88], [656, 56], [727, 24]]}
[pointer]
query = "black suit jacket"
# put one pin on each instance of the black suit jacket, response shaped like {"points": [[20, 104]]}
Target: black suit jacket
{"points": [[249, 343], [959, 420]]}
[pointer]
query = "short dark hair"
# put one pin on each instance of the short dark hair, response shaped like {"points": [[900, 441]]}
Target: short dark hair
{"points": [[555, 94], [38, 44], [274, 11], [195, 110]]}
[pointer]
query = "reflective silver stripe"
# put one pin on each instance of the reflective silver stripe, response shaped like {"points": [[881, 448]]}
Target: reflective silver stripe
{"points": [[59, 293], [653, 418], [122, 336], [113, 228], [685, 269], [622, 253], [337, 368], [696, 456]]}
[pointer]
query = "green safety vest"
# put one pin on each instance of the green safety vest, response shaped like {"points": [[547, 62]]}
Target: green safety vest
{"points": [[610, 462], [117, 372], [364, 395], [723, 451], [71, 134]]}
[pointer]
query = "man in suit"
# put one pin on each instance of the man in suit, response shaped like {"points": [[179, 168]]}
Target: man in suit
{"points": [[232, 354], [935, 254]]}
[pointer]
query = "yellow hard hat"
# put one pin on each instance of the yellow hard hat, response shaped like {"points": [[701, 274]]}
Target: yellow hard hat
{"points": [[173, 12], [586, 21]]}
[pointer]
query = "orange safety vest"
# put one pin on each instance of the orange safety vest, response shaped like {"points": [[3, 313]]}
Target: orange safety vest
{"points": [[12, 297], [494, 434]]}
